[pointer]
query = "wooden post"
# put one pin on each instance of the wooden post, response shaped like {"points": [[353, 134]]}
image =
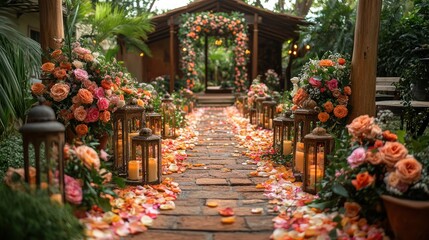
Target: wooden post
{"points": [[51, 24], [255, 48], [364, 61], [172, 63], [206, 60]]}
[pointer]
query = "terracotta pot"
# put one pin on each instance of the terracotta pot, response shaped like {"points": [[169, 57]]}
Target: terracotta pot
{"points": [[408, 219]]}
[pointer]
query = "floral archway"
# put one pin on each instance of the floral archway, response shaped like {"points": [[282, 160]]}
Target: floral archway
{"points": [[207, 23]]}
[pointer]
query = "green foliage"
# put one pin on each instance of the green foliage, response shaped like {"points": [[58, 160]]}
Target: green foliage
{"points": [[11, 153], [35, 216], [278, 158], [19, 60]]}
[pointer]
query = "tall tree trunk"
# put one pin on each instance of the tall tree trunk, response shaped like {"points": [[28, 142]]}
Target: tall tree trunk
{"points": [[302, 7]]}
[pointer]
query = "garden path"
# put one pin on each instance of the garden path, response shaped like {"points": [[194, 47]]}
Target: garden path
{"points": [[223, 179]]}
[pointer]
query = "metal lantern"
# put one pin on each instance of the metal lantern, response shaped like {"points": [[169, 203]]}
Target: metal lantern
{"points": [[127, 122], [145, 164], [318, 145], [168, 112], [304, 121], [246, 109], [46, 136], [269, 109], [252, 116], [239, 104], [282, 137], [259, 111], [153, 120]]}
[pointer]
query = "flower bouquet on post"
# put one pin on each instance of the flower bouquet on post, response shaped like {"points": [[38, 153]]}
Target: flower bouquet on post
{"points": [[327, 82]]}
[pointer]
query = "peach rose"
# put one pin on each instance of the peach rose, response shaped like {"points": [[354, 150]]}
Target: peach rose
{"points": [[38, 88], [81, 129], [408, 170], [85, 96], [336, 92], [393, 152], [348, 90], [105, 116], [361, 126], [106, 84], [88, 57], [88, 156], [140, 102], [343, 100], [323, 117], [340, 111], [80, 113], [66, 65], [362, 180], [59, 91], [374, 158], [388, 136], [48, 67], [300, 96], [375, 132], [56, 53], [60, 73], [10, 177], [352, 210], [326, 63], [329, 107], [107, 176]]}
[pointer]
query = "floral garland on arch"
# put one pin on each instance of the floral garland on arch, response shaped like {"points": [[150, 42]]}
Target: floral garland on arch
{"points": [[196, 25]]}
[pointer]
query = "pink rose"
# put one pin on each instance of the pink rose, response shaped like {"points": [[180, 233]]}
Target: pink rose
{"points": [[73, 190], [80, 74], [114, 100], [92, 115], [99, 93], [315, 82], [357, 157], [332, 84], [81, 50], [103, 104]]}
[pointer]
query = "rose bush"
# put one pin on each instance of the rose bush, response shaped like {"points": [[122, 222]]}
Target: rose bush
{"points": [[370, 162]]}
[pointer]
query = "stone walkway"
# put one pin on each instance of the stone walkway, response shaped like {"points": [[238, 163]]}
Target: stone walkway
{"points": [[223, 179]]}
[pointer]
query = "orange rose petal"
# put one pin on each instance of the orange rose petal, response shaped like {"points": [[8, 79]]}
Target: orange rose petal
{"points": [[259, 186], [212, 204], [256, 210], [228, 220], [226, 212]]}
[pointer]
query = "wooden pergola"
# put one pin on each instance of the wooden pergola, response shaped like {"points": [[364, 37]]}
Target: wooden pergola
{"points": [[364, 62]]}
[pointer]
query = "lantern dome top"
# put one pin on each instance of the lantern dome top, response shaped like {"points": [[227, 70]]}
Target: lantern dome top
{"points": [[167, 97], [41, 120], [145, 132], [41, 113], [149, 108], [319, 131]]}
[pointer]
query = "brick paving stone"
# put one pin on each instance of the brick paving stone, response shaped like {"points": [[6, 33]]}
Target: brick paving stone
{"points": [[172, 235], [222, 203], [259, 222], [211, 181], [164, 222], [253, 195], [210, 223], [183, 210], [251, 188], [243, 236], [240, 181], [211, 194]]}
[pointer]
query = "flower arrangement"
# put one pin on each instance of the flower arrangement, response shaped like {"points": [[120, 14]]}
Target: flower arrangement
{"points": [[257, 89], [84, 89], [272, 79], [195, 25], [327, 83], [370, 162]]}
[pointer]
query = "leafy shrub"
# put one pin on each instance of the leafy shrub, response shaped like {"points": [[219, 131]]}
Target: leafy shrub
{"points": [[28, 216], [11, 153]]}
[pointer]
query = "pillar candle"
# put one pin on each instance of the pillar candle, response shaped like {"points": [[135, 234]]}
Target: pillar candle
{"points": [[131, 135], [167, 129], [321, 158], [270, 124], [134, 169], [299, 161], [300, 146], [287, 147], [152, 170], [315, 174]]}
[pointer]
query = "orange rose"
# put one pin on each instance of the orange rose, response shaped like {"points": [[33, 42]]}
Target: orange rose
{"points": [[56, 53], [105, 116], [127, 90], [323, 116], [361, 126], [343, 99], [352, 210], [374, 158], [408, 170], [48, 67], [60, 73], [66, 65], [88, 156], [340, 111], [329, 107], [80, 113], [300, 96], [279, 108], [106, 84], [348, 90], [388, 136], [140, 102], [341, 61], [59, 91], [85, 96], [294, 107], [38, 88], [393, 152], [88, 57], [378, 143], [81, 129], [326, 63], [362, 180], [336, 92]]}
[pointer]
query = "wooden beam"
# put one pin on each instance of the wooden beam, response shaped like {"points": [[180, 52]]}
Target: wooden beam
{"points": [[172, 63], [206, 61], [364, 61], [51, 24], [255, 48]]}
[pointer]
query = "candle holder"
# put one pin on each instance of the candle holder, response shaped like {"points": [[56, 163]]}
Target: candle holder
{"points": [[259, 111], [304, 121], [282, 137], [145, 165], [168, 113], [46, 135], [126, 124], [269, 109], [153, 120], [318, 145]]}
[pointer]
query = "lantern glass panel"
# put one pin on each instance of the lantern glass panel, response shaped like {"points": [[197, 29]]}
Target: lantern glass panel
{"points": [[259, 111], [168, 117], [269, 108], [153, 121], [252, 116]]}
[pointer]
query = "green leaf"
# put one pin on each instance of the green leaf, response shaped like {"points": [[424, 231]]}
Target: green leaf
{"points": [[104, 204], [322, 205], [340, 190], [401, 135], [119, 181]]}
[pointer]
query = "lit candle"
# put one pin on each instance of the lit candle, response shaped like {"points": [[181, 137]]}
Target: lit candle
{"points": [[315, 175], [320, 158], [152, 170], [134, 170], [300, 146], [131, 135], [167, 129], [287, 147], [270, 125], [299, 161]]}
